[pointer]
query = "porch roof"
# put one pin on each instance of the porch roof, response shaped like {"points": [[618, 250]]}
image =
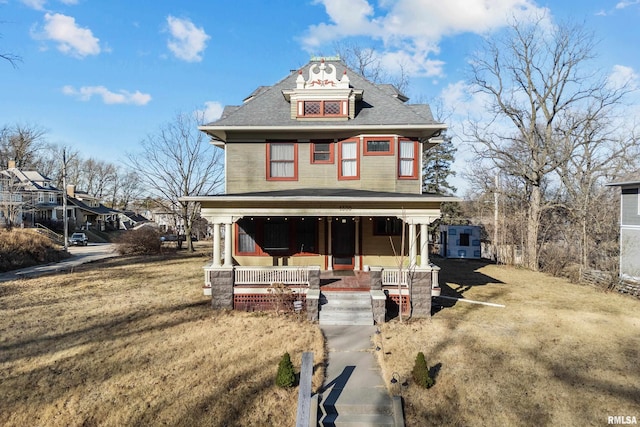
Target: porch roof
{"points": [[322, 202], [323, 195]]}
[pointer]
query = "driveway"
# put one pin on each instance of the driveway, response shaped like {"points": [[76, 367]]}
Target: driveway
{"points": [[79, 255]]}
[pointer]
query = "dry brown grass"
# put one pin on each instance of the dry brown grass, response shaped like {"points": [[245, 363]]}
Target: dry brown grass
{"points": [[136, 343], [559, 354], [25, 247]]}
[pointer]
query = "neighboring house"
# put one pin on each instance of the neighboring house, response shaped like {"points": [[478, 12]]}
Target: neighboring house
{"points": [[27, 197], [88, 212], [629, 229], [322, 169], [130, 219], [167, 221], [460, 241]]}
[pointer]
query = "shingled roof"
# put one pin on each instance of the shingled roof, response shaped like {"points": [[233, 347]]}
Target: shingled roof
{"points": [[380, 105]]}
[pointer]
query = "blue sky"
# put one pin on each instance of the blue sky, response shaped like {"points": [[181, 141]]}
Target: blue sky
{"points": [[101, 75]]}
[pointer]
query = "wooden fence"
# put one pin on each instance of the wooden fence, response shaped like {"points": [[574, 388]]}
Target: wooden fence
{"points": [[605, 280]]}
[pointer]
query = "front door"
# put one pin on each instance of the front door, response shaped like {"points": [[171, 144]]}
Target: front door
{"points": [[343, 247]]}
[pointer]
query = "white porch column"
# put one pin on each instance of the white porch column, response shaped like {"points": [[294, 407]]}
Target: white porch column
{"points": [[356, 256], [227, 244], [329, 243], [424, 245], [413, 245], [216, 245]]}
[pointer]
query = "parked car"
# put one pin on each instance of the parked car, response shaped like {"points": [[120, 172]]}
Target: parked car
{"points": [[78, 239]]}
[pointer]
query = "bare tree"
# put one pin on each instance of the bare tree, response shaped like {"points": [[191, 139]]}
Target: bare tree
{"points": [[10, 57], [537, 77], [22, 143], [126, 188], [11, 204], [178, 161], [601, 153], [366, 62]]}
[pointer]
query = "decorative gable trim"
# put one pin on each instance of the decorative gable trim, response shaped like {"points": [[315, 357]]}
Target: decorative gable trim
{"points": [[322, 96]]}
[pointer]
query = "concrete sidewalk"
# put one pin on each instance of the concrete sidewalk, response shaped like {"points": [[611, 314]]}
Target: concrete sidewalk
{"points": [[354, 390], [79, 255]]}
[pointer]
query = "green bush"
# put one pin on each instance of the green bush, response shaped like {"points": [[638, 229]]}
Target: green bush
{"points": [[286, 376], [421, 372], [143, 241]]}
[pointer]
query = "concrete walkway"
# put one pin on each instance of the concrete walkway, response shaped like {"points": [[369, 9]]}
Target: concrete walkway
{"points": [[79, 255], [354, 391]]}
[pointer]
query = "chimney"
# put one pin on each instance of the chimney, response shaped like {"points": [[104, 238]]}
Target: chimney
{"points": [[12, 164], [71, 190]]}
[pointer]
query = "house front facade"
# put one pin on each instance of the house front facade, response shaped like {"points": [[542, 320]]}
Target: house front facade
{"points": [[323, 176], [629, 230], [27, 197]]}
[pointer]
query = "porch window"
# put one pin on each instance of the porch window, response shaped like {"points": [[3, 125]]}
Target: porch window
{"points": [[282, 161], [276, 235], [349, 161], [322, 151], [306, 236], [52, 197], [387, 227], [40, 197], [246, 236], [408, 160]]}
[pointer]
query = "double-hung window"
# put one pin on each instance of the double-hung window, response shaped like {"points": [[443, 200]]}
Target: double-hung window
{"points": [[349, 167], [407, 159], [276, 235], [322, 151], [282, 161], [246, 237]]}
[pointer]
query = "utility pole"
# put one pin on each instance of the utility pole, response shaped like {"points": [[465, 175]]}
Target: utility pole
{"points": [[495, 218], [64, 199]]}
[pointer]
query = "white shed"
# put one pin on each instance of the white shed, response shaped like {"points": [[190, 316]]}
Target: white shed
{"points": [[460, 241]]}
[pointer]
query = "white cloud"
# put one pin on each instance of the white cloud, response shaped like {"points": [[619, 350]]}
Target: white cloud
{"points": [[622, 75], [39, 4], [71, 39], [413, 29], [85, 93], [187, 41], [35, 4], [212, 111], [626, 3]]}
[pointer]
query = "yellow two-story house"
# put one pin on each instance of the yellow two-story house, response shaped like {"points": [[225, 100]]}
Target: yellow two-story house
{"points": [[323, 174]]}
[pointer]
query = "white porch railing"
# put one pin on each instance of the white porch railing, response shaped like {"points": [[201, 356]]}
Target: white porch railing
{"points": [[391, 277], [270, 275]]}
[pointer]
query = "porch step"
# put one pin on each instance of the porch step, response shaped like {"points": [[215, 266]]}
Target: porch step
{"points": [[345, 308], [357, 407]]}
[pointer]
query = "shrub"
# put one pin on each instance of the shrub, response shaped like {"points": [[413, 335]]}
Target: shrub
{"points": [[143, 241], [286, 376], [420, 372]]}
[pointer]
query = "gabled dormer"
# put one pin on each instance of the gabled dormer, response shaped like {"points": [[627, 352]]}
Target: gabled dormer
{"points": [[322, 96]]}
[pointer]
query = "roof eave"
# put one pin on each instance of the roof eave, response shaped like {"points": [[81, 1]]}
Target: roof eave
{"points": [[221, 133]]}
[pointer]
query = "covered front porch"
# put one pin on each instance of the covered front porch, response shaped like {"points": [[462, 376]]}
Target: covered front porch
{"points": [[300, 288], [298, 237]]}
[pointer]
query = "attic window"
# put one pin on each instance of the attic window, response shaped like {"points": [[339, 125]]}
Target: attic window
{"points": [[322, 108]]}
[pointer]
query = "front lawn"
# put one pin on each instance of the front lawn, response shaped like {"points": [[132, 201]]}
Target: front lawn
{"points": [[558, 354], [132, 341]]}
